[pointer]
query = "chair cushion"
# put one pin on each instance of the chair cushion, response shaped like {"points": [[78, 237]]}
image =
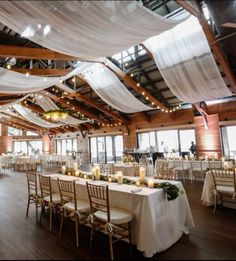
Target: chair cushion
{"points": [[82, 206], [225, 189], [56, 198], [118, 216]]}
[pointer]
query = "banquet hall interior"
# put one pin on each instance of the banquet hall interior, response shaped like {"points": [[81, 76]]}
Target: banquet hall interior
{"points": [[118, 130]]}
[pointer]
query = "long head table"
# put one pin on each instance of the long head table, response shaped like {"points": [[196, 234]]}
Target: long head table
{"points": [[158, 223]]}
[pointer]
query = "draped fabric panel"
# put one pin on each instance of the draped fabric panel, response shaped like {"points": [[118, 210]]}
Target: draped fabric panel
{"points": [[47, 104], [86, 29], [14, 82], [34, 118], [6, 106], [110, 89], [186, 63]]}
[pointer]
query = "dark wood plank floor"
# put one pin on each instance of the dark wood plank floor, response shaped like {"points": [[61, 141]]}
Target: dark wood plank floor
{"points": [[214, 237]]}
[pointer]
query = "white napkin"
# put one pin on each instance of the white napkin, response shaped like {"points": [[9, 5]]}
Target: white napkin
{"points": [[136, 190]]}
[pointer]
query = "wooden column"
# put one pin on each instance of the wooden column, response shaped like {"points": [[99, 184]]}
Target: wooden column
{"points": [[130, 141], [6, 142], [47, 144], [208, 141]]}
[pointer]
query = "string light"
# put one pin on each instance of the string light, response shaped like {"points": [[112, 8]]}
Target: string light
{"points": [[143, 93], [147, 98], [8, 66], [27, 74], [138, 84], [45, 79], [61, 80], [132, 75], [153, 103]]}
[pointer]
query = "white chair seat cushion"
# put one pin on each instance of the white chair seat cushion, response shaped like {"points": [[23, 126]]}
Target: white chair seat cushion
{"points": [[82, 206], [56, 198], [225, 189], [180, 168], [118, 216]]}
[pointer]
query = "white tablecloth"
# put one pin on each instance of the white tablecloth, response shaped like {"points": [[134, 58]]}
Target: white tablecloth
{"points": [[158, 223], [207, 197]]}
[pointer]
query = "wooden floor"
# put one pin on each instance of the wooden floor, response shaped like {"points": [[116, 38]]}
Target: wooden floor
{"points": [[214, 237]]}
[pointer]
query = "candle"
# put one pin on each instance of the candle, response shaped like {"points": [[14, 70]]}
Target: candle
{"points": [[75, 166], [226, 165], [119, 177], [63, 169], [97, 173], [109, 179], [216, 156], [206, 157], [76, 173], [150, 183], [186, 157], [85, 176], [142, 173], [69, 174], [137, 183], [223, 159], [93, 173]]}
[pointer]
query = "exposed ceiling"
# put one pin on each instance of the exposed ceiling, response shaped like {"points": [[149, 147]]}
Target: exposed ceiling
{"points": [[137, 63]]}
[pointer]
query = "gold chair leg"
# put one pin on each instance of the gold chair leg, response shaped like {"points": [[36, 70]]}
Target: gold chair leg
{"points": [[91, 237], [50, 219], [111, 246], [215, 203], [130, 236], [62, 220], [36, 205], [41, 214], [77, 230], [27, 210]]}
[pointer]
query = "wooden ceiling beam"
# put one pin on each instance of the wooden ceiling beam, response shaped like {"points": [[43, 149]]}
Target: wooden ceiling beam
{"points": [[42, 72], [196, 11], [38, 54], [97, 106], [134, 85]]}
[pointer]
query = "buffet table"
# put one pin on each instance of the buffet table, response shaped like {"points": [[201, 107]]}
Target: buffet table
{"points": [[158, 223]]}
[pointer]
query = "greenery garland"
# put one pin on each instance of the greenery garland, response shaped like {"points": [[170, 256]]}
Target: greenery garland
{"points": [[171, 191]]}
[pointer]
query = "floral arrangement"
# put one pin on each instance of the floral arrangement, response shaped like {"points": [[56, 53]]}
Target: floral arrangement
{"points": [[128, 158]]}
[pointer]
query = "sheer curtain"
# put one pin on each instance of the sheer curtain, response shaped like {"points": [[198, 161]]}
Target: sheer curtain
{"points": [[110, 89], [186, 63], [14, 82], [84, 28]]}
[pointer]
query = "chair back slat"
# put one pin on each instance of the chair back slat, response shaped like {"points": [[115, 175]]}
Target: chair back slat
{"points": [[67, 191], [32, 182], [99, 198], [222, 177], [215, 164], [45, 186]]}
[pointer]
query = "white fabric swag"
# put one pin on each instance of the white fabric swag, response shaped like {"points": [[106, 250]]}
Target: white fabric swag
{"points": [[8, 105], [47, 104], [186, 63], [110, 89], [14, 82], [34, 118], [84, 28]]}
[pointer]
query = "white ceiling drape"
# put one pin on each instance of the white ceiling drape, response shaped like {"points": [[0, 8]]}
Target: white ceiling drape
{"points": [[47, 104], [186, 63], [6, 106], [16, 83], [110, 89], [84, 28], [34, 118]]}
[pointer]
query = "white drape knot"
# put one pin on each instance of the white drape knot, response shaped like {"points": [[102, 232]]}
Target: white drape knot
{"points": [[109, 227], [90, 219]]}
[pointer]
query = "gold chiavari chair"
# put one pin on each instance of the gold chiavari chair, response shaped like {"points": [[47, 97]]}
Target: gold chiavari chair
{"points": [[224, 186], [135, 169], [33, 196], [164, 172], [114, 221], [216, 164], [72, 207], [49, 199], [181, 170], [197, 170]]}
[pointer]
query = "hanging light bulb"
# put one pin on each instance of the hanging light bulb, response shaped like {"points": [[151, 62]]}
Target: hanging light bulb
{"points": [[8, 66], [61, 80], [138, 84], [45, 78], [27, 74]]}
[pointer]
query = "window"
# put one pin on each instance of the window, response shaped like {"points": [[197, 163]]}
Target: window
{"points": [[66, 145], [30, 133], [106, 149], [229, 141], [186, 137], [32, 147], [167, 141], [14, 132]]}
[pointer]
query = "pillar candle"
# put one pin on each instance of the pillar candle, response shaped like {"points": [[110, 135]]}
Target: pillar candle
{"points": [[215, 156], [97, 173], [142, 173], [63, 169], [75, 166], [150, 183], [119, 177]]}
